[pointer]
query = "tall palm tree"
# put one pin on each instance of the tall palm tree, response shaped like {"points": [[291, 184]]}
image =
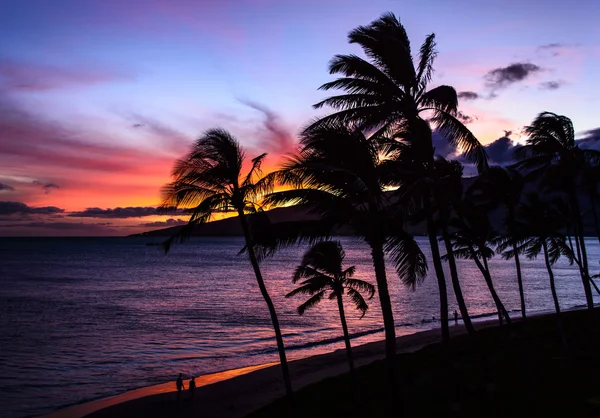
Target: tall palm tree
{"points": [[448, 195], [503, 186], [591, 178], [387, 93], [337, 175], [209, 180], [552, 155], [322, 271], [472, 233], [542, 224]]}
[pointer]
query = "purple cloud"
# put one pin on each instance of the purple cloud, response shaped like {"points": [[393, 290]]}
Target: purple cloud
{"points": [[167, 223], [503, 77], [13, 208], [122, 213]]}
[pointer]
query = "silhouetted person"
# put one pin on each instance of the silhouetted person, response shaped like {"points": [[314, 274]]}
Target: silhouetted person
{"points": [[179, 384], [455, 318], [192, 387]]}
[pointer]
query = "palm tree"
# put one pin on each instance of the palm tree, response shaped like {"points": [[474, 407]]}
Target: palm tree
{"points": [[503, 186], [448, 193], [542, 224], [551, 155], [209, 180], [338, 177], [322, 271], [591, 179], [472, 233], [387, 93]]}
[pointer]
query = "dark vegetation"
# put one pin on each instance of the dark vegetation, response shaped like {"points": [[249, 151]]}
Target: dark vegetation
{"points": [[525, 372]]}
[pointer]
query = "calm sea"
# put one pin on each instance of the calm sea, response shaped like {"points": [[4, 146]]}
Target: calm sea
{"points": [[82, 319]]}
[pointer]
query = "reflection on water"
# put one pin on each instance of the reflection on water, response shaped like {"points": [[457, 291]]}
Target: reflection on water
{"points": [[88, 318]]}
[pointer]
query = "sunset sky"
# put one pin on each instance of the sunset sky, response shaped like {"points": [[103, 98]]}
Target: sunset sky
{"points": [[98, 97]]}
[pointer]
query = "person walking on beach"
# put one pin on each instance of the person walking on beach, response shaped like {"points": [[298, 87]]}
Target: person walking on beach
{"points": [[179, 384], [192, 387], [455, 317]]}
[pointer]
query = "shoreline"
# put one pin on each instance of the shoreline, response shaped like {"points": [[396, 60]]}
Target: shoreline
{"points": [[251, 387], [242, 383]]}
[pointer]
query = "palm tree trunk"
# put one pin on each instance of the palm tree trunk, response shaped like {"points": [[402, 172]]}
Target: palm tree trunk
{"points": [[579, 238], [439, 273], [554, 294], [265, 294], [595, 215], [517, 263], [485, 271], [386, 309], [346, 335], [455, 283]]}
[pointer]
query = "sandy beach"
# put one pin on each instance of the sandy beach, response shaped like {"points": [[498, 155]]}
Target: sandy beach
{"points": [[235, 393]]}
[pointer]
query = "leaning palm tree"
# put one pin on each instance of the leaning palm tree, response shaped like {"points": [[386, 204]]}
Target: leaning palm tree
{"points": [[321, 272], [388, 94], [448, 194], [542, 235], [338, 177], [552, 156], [209, 180], [472, 234], [501, 186]]}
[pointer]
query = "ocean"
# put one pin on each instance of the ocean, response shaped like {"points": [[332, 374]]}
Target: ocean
{"points": [[86, 318]]}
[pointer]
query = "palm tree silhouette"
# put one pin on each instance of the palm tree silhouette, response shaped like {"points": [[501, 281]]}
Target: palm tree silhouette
{"points": [[542, 236], [322, 271], [501, 186], [591, 178], [472, 233], [387, 94], [338, 176], [551, 155], [209, 180], [448, 191]]}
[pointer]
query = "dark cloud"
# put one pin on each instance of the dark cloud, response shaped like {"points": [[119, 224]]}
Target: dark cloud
{"points": [[12, 208], [468, 95], [555, 49], [501, 151], [4, 186], [46, 186], [464, 118], [551, 85], [167, 223], [279, 138], [503, 77], [122, 213]]}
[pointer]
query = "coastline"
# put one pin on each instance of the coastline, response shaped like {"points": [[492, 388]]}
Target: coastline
{"points": [[237, 392]]}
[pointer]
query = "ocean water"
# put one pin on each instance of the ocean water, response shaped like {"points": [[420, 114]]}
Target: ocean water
{"points": [[85, 318]]}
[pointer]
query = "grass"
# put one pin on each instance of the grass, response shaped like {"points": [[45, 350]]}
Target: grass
{"points": [[521, 372]]}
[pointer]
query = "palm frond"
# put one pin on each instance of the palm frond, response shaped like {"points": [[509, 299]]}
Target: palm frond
{"points": [[427, 55], [360, 286], [442, 98], [315, 299], [460, 136], [408, 259], [359, 301]]}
